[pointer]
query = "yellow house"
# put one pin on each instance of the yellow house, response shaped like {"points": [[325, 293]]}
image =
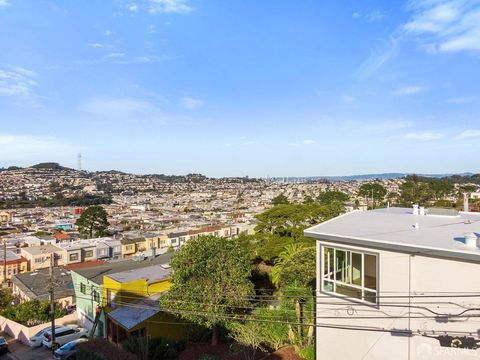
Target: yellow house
{"points": [[155, 241], [132, 305], [130, 246]]}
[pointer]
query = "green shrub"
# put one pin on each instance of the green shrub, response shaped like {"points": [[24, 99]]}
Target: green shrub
{"points": [[308, 353], [32, 312]]}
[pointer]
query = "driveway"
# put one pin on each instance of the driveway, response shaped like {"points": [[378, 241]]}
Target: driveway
{"points": [[19, 351]]}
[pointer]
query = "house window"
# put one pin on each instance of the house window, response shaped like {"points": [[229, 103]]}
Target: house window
{"points": [[73, 257], [83, 288], [129, 247], [350, 273], [88, 253], [96, 296]]}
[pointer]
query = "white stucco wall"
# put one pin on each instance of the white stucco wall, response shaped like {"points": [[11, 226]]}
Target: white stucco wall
{"points": [[399, 275]]}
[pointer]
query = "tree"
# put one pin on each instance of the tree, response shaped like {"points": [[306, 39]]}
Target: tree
{"points": [[329, 197], [6, 298], [374, 191], [211, 282], [280, 200], [93, 222], [415, 191], [294, 266]]}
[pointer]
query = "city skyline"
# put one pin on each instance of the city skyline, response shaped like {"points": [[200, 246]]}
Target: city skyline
{"points": [[241, 88]]}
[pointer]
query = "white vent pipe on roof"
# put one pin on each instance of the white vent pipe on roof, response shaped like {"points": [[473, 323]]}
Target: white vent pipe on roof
{"points": [[466, 206], [471, 240], [422, 210], [415, 209]]}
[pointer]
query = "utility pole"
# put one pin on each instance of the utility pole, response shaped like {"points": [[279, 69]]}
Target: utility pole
{"points": [[4, 260], [51, 289]]}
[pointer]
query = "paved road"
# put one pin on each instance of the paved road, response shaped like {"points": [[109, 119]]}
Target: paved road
{"points": [[19, 351]]}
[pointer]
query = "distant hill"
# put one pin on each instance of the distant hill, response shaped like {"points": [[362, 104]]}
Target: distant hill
{"points": [[381, 176], [50, 165]]}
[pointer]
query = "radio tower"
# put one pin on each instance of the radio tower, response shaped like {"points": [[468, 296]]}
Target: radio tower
{"points": [[79, 162]]}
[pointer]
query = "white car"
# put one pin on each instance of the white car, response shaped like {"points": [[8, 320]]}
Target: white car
{"points": [[63, 335], [36, 340]]}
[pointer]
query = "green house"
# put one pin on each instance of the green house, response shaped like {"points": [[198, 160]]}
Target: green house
{"points": [[88, 285]]}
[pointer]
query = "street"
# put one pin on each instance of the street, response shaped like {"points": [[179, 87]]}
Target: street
{"points": [[19, 351]]}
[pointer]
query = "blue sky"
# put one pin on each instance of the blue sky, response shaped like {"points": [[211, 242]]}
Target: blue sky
{"points": [[234, 88]]}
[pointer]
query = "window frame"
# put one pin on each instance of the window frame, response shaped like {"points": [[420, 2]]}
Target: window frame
{"points": [[334, 282]]}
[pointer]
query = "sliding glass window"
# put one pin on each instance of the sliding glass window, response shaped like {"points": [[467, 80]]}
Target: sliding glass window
{"points": [[349, 273]]}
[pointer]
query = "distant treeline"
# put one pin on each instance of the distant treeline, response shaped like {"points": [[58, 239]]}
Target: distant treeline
{"points": [[464, 179], [84, 200]]}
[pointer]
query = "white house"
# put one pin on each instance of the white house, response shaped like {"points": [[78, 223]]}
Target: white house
{"points": [[398, 283]]}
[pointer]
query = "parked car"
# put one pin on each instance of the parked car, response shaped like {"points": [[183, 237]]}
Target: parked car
{"points": [[3, 345], [36, 340], [63, 335], [68, 351]]}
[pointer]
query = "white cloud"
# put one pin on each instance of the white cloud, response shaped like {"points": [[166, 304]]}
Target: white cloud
{"points": [[461, 100], [96, 45], [133, 7], [4, 3], [309, 142], [191, 103], [347, 98], [373, 16], [468, 134], [409, 90], [108, 32], [123, 108], [376, 15], [377, 59], [116, 55], [32, 148], [169, 6], [152, 29], [445, 25], [18, 82], [425, 136]]}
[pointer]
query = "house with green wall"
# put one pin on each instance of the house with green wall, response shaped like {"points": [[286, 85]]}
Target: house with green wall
{"points": [[89, 288]]}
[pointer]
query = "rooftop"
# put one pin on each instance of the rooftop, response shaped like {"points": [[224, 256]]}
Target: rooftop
{"points": [[96, 273], [42, 249], [137, 312], [398, 229], [33, 284], [150, 274]]}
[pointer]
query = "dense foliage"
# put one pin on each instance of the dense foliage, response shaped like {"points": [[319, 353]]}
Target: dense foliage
{"points": [[93, 222], [153, 349], [31, 313], [58, 200], [102, 349], [211, 282]]}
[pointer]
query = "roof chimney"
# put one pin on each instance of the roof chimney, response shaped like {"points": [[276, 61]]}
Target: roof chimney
{"points": [[415, 209], [422, 210], [466, 206]]}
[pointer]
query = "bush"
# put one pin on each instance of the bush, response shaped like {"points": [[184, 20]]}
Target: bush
{"points": [[154, 349], [209, 357], [101, 349], [308, 353], [32, 312]]}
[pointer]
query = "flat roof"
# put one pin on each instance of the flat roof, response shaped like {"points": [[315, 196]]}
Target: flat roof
{"points": [[150, 274], [394, 229], [42, 249]]}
